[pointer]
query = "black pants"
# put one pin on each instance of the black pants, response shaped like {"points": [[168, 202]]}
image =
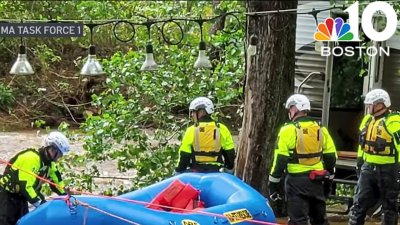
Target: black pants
{"points": [[12, 207], [305, 201], [375, 183]]}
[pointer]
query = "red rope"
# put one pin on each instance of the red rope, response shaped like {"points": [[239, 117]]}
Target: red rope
{"points": [[67, 199]]}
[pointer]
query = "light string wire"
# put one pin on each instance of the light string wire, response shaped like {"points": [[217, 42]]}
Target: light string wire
{"points": [[167, 23]]}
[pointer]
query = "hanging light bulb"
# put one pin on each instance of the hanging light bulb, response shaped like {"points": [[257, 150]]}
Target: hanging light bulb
{"points": [[202, 60], [92, 66], [22, 65], [252, 49], [149, 64]]}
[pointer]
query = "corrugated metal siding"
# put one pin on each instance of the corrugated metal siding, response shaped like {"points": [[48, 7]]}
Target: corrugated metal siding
{"points": [[391, 77], [391, 70], [307, 59]]}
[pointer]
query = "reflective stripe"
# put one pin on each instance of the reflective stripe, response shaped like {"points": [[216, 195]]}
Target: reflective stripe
{"points": [[196, 139], [274, 179], [217, 139]]}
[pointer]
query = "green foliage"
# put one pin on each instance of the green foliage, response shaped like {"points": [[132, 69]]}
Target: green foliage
{"points": [[46, 55], [347, 82], [143, 114], [6, 96], [345, 190], [39, 123]]}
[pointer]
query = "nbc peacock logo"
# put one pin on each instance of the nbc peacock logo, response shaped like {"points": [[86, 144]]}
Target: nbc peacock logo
{"points": [[333, 30]]}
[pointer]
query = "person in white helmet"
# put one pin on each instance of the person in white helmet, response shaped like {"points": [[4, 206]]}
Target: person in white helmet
{"points": [[207, 145], [377, 159], [306, 155], [18, 186]]}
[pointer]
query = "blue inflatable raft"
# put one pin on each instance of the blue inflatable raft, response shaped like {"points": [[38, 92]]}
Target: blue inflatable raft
{"points": [[227, 199]]}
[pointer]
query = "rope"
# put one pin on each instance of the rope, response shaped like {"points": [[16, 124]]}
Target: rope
{"points": [[163, 206], [87, 206], [66, 199], [85, 215]]}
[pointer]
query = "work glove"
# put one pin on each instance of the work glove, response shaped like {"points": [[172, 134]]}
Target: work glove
{"points": [[273, 189], [328, 187]]}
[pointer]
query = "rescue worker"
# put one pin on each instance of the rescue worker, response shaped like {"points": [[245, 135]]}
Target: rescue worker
{"points": [[306, 152], [207, 145], [377, 159], [18, 186]]}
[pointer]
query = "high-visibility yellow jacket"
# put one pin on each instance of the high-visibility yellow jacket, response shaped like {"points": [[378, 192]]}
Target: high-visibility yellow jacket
{"points": [[20, 182], [289, 154], [379, 140], [208, 142]]}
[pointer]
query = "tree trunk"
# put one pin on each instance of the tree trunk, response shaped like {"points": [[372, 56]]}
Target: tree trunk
{"points": [[270, 80]]}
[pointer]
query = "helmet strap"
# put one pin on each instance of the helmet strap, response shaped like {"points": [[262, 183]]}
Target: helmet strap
{"points": [[297, 114], [194, 117], [51, 153], [377, 112], [292, 117]]}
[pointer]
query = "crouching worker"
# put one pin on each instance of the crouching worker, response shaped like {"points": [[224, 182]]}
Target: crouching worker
{"points": [[207, 145], [18, 185], [306, 152]]}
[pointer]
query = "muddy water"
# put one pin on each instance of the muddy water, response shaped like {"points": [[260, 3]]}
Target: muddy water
{"points": [[13, 142]]}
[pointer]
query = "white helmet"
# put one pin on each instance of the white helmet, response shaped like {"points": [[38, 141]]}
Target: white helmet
{"points": [[377, 96], [58, 140], [202, 103], [300, 101]]}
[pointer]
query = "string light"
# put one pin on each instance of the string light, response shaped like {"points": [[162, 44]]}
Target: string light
{"points": [[22, 66], [149, 64], [93, 67]]}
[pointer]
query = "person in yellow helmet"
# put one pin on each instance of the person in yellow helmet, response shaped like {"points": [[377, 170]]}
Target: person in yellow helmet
{"points": [[207, 145], [18, 186], [306, 152], [377, 160]]}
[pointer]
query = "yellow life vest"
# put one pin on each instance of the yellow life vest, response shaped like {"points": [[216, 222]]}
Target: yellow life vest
{"points": [[375, 139], [309, 142], [207, 142]]}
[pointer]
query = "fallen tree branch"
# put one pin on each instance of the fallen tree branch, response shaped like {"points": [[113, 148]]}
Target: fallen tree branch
{"points": [[69, 111], [64, 77]]}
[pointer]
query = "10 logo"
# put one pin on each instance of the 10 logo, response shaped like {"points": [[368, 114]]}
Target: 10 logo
{"points": [[338, 30]]}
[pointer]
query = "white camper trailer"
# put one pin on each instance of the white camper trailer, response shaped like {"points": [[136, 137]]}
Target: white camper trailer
{"points": [[317, 77]]}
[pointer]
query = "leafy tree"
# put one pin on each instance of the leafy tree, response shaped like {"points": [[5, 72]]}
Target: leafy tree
{"points": [[143, 113], [270, 80]]}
